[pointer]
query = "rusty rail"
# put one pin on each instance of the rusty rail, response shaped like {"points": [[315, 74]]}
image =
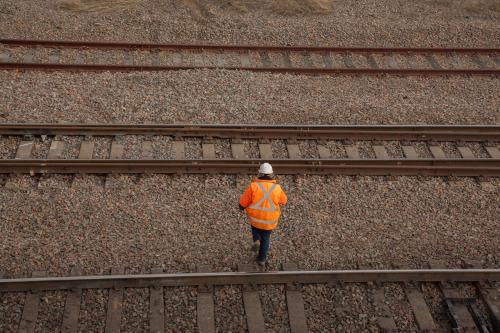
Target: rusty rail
{"points": [[428, 167], [249, 131], [292, 70], [372, 69], [200, 47], [237, 278]]}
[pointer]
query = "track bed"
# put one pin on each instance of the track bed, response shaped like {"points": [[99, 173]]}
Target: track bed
{"points": [[88, 56], [470, 304], [294, 149]]}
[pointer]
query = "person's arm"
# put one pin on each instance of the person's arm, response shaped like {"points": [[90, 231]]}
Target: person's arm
{"points": [[283, 198], [246, 198]]}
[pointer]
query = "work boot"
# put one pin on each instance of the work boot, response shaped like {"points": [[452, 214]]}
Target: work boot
{"points": [[256, 245], [261, 263]]}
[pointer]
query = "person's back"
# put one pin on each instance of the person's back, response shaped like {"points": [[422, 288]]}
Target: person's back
{"points": [[262, 200]]}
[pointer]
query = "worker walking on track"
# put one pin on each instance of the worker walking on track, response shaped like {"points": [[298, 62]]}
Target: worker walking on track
{"points": [[262, 200]]}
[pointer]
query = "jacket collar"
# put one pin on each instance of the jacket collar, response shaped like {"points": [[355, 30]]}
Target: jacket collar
{"points": [[265, 180]]}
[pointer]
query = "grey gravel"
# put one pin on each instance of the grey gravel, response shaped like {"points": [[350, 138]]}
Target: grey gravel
{"points": [[193, 148], [308, 149], [8, 146], [279, 150], [251, 148], [93, 310], [135, 311], [450, 149], [422, 149], [11, 309], [204, 96], [274, 308], [52, 223], [365, 149], [229, 311], [400, 308], [344, 223], [88, 181], [222, 148], [132, 146], [71, 146], [433, 299], [180, 309], [338, 309], [390, 23], [40, 148], [55, 182], [50, 311], [162, 147], [337, 149], [102, 147], [394, 149], [21, 182], [350, 221]]}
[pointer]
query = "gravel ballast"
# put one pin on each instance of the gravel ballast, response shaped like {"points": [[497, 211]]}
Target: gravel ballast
{"points": [[229, 311], [177, 220], [338, 309], [319, 22], [204, 96], [93, 310], [54, 222]]}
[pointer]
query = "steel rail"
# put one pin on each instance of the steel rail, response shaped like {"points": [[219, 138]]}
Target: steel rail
{"points": [[293, 70], [428, 167], [237, 278], [249, 131], [200, 47]]}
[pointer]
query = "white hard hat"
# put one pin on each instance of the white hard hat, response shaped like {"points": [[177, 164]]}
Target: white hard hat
{"points": [[266, 169]]}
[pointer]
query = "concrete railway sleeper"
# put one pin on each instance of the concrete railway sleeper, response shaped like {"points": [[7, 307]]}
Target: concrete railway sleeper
{"points": [[470, 317], [107, 56], [238, 149]]}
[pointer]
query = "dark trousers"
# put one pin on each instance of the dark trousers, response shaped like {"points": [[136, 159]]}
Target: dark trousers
{"points": [[265, 237]]}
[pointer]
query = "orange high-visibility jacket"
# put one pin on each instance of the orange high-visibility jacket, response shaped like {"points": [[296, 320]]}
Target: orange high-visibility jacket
{"points": [[262, 201]]}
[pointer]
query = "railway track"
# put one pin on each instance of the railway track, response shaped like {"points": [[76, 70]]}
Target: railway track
{"points": [[107, 56], [465, 312], [249, 131], [239, 149]]}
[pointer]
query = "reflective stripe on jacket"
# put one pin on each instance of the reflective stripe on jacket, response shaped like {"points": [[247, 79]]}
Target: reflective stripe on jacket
{"points": [[262, 200]]}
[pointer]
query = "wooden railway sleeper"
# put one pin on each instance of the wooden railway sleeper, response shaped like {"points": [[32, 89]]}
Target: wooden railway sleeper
{"points": [[470, 303], [487, 290], [457, 307], [480, 321]]}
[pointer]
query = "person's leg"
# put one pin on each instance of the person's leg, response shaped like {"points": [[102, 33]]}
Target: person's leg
{"points": [[255, 234], [265, 238], [256, 239]]}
